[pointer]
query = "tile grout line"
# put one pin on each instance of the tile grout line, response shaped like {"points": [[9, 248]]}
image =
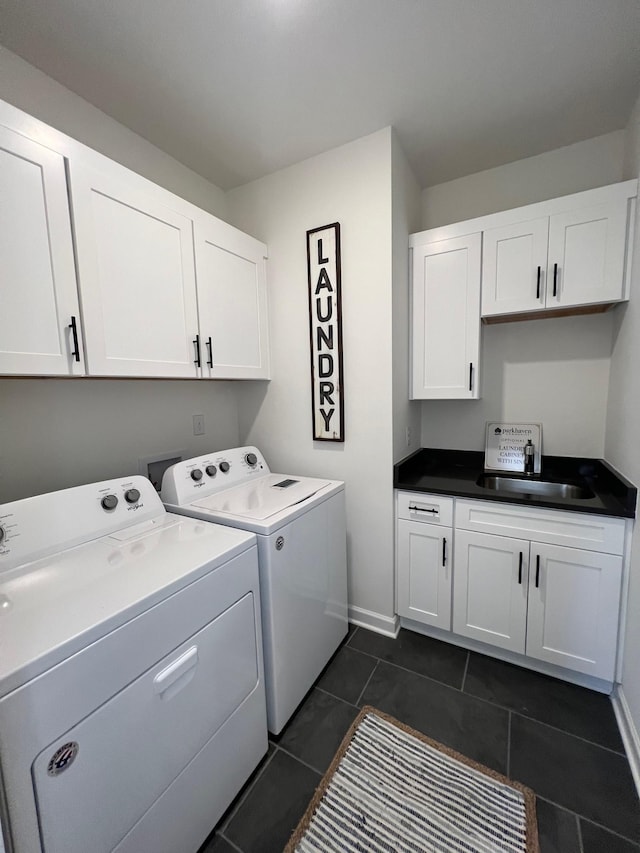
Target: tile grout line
{"points": [[302, 761], [466, 669], [367, 683], [557, 729], [230, 843], [579, 830], [580, 817], [339, 698], [250, 788], [482, 699]]}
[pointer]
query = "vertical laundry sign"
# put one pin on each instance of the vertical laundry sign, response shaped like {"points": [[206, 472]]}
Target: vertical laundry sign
{"points": [[325, 327]]}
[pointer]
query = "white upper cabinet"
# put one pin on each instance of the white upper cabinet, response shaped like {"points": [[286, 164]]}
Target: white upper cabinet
{"points": [[40, 332], [137, 278], [514, 267], [98, 270], [587, 255], [232, 301], [446, 318], [558, 255]]}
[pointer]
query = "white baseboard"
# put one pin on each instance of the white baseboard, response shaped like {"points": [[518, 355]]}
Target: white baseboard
{"points": [[629, 732], [387, 625]]}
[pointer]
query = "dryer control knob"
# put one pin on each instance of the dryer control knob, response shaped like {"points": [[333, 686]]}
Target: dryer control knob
{"points": [[132, 496], [109, 502], [224, 467], [211, 470], [251, 459], [2, 534], [196, 474]]}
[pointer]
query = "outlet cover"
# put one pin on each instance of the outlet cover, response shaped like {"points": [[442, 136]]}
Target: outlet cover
{"points": [[198, 424]]}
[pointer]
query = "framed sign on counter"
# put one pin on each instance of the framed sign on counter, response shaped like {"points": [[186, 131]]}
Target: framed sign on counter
{"points": [[325, 328]]}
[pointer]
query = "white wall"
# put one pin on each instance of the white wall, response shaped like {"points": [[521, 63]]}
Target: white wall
{"points": [[553, 371], [622, 447], [582, 166], [350, 185], [405, 220], [30, 90], [56, 433]]}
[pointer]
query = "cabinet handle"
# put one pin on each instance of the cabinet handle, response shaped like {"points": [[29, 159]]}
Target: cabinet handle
{"points": [[538, 284], [420, 509], [537, 570], [74, 332], [520, 567], [210, 348], [555, 279], [196, 344], [444, 551], [470, 376]]}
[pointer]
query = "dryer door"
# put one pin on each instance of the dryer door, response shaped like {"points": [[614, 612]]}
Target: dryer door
{"points": [[95, 782]]}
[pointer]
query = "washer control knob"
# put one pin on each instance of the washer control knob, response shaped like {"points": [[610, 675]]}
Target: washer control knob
{"points": [[109, 502], [211, 470], [196, 474], [251, 459], [2, 534], [132, 496], [224, 467]]}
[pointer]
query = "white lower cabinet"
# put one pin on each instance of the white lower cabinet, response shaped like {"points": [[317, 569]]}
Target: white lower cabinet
{"points": [[490, 589], [554, 598], [574, 602], [424, 550]]}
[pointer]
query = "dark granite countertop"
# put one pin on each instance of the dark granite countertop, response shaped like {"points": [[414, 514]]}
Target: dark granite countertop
{"points": [[455, 472]]}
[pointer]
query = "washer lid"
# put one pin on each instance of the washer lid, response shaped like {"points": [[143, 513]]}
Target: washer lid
{"points": [[263, 497]]}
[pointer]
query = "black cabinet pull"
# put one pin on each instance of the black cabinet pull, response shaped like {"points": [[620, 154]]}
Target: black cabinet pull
{"points": [[537, 570], [196, 344], [210, 348], [444, 551], [538, 285], [555, 279], [470, 376], [520, 568], [74, 332], [420, 509]]}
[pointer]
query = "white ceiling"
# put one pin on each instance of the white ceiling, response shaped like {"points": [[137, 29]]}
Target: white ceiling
{"points": [[237, 89]]}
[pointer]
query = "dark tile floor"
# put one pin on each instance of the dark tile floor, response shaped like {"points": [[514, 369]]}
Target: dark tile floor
{"points": [[559, 739]]}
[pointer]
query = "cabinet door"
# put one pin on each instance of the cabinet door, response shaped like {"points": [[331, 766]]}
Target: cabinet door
{"points": [[232, 302], [39, 296], [490, 589], [137, 278], [424, 573], [587, 255], [514, 264], [446, 319], [574, 601]]}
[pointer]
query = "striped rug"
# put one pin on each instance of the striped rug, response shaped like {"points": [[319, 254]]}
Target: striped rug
{"points": [[393, 790]]}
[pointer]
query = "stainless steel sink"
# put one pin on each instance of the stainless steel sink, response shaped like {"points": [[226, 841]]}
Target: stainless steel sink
{"points": [[543, 488]]}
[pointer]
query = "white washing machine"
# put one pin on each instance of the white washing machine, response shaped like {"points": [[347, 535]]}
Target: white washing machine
{"points": [[132, 704], [300, 524]]}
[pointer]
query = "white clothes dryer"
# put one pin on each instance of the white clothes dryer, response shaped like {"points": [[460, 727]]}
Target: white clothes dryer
{"points": [[132, 705], [300, 525]]}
